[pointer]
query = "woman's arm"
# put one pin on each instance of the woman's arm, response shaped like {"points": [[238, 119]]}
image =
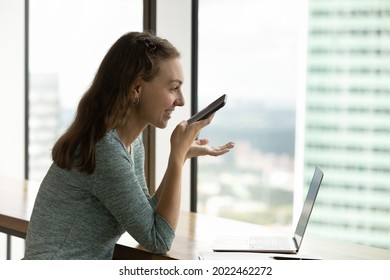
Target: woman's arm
{"points": [[183, 146], [200, 148]]}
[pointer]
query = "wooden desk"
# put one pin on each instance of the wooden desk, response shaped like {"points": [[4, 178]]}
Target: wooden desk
{"points": [[195, 232], [16, 202]]}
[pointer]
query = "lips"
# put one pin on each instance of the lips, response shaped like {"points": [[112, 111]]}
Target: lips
{"points": [[169, 112]]}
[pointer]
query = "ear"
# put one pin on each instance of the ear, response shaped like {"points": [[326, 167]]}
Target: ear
{"points": [[136, 86], [135, 91]]}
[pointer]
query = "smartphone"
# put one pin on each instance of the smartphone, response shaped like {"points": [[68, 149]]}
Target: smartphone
{"points": [[210, 109]]}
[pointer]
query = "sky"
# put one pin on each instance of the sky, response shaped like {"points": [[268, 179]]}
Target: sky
{"points": [[71, 39], [251, 51]]}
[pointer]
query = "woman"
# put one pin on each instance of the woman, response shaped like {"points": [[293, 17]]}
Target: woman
{"points": [[95, 189]]}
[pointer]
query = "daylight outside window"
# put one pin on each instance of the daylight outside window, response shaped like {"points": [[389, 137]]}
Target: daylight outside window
{"points": [[250, 52], [67, 42]]}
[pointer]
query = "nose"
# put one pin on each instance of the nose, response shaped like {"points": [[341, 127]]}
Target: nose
{"points": [[180, 100]]}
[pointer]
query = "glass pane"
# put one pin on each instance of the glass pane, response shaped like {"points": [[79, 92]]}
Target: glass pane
{"points": [[68, 40], [249, 50], [346, 108], [347, 128]]}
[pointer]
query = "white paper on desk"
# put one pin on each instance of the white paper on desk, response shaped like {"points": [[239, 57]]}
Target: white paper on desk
{"points": [[253, 256], [233, 256]]}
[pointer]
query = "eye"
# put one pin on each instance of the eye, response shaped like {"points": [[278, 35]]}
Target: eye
{"points": [[175, 89], [175, 86]]}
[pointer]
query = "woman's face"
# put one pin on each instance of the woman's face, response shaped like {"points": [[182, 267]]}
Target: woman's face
{"points": [[160, 96]]}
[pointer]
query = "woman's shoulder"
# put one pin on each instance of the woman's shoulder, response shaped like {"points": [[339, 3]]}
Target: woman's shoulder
{"points": [[109, 140], [110, 148], [110, 157]]}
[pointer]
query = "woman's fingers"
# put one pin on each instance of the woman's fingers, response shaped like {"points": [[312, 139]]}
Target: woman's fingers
{"points": [[200, 148], [217, 151]]}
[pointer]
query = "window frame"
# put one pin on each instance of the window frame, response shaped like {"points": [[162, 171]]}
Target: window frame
{"points": [[194, 98], [149, 134]]}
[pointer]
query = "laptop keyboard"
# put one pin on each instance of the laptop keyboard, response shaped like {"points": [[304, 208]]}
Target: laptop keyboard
{"points": [[268, 242]]}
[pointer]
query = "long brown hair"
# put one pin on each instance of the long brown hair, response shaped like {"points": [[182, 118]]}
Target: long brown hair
{"points": [[105, 105]]}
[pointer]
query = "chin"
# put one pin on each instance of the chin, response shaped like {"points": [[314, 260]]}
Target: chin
{"points": [[161, 125]]}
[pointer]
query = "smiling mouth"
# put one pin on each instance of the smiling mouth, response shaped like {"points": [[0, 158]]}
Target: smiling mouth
{"points": [[169, 112]]}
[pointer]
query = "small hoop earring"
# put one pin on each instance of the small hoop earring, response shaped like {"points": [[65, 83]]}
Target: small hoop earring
{"points": [[136, 100]]}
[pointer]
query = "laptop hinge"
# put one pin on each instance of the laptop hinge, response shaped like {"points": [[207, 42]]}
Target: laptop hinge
{"points": [[296, 244]]}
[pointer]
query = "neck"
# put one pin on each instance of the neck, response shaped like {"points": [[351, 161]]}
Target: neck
{"points": [[129, 132]]}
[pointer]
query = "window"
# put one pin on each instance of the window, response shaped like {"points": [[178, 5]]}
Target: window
{"points": [[347, 129], [317, 73], [68, 40], [308, 84], [250, 51]]}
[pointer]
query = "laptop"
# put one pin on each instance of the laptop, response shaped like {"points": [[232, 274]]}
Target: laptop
{"points": [[276, 244]]}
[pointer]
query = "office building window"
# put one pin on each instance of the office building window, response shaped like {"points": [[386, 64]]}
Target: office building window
{"points": [[250, 51], [347, 128], [68, 40]]}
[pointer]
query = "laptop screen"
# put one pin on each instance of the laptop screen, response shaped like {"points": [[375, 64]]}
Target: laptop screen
{"points": [[308, 205]]}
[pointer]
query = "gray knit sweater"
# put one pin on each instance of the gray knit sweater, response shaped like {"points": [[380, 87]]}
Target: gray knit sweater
{"points": [[80, 216]]}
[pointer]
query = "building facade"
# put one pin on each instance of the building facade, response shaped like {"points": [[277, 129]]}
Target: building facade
{"points": [[347, 120]]}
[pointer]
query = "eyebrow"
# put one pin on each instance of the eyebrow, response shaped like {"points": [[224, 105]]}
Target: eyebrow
{"points": [[176, 81]]}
